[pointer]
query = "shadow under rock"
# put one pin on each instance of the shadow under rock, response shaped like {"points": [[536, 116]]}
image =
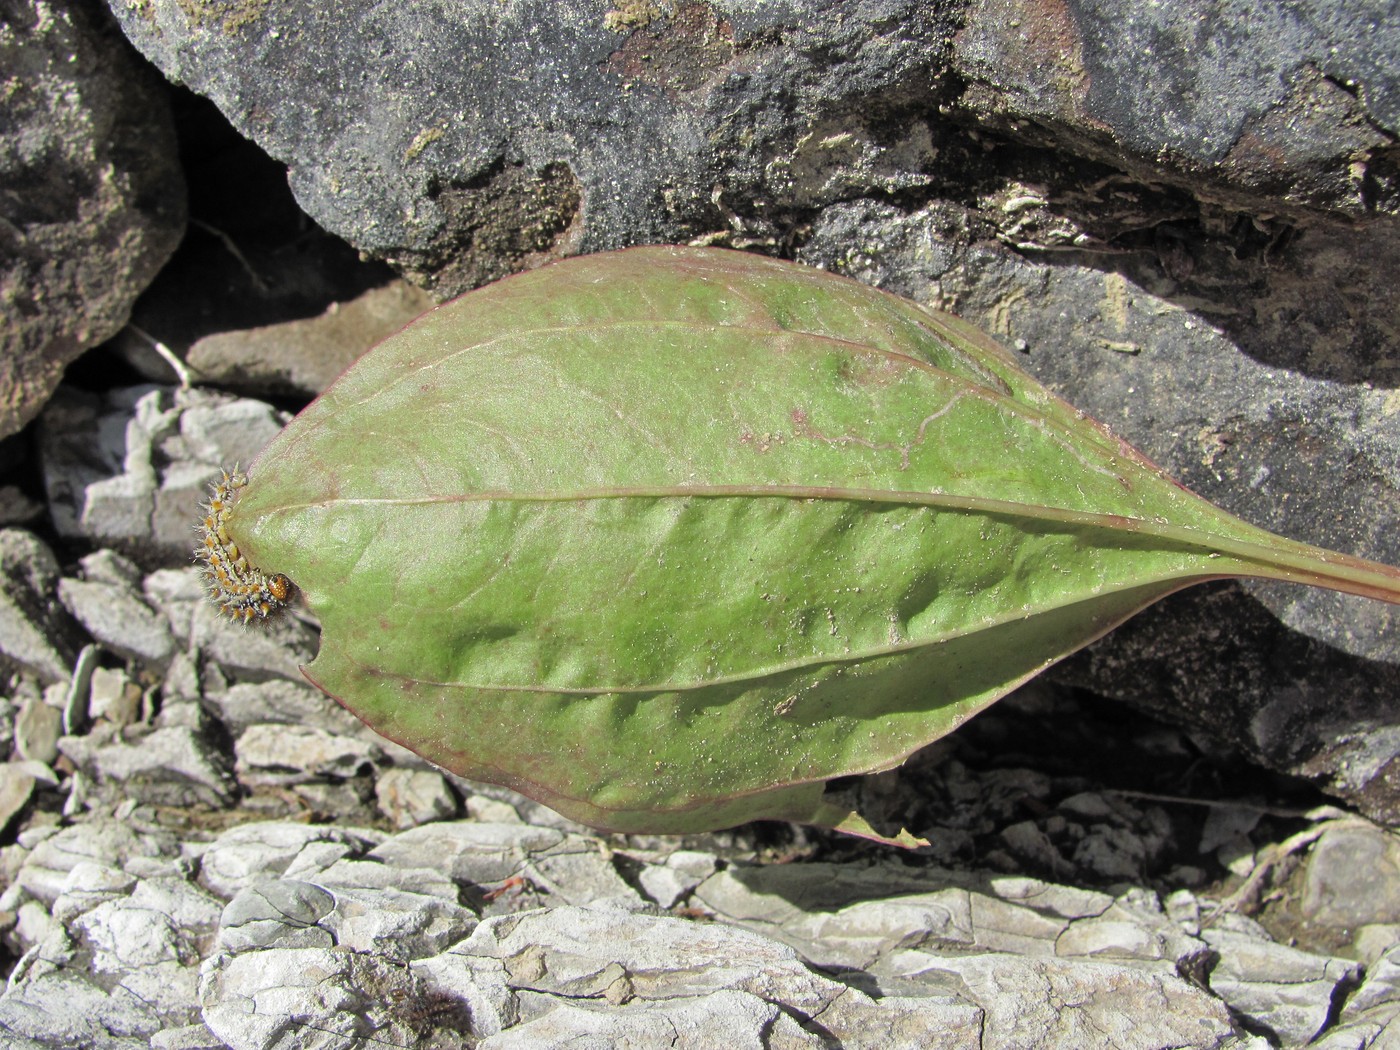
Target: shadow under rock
{"points": [[1216, 661]]}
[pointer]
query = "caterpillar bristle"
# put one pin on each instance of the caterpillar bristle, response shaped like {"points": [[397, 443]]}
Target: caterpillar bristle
{"points": [[235, 586]]}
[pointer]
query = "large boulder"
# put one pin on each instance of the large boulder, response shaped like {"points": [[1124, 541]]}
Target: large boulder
{"points": [[93, 196]]}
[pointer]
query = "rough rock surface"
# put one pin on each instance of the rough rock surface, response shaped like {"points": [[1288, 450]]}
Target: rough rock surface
{"points": [[1182, 215], [426, 149], [94, 199]]}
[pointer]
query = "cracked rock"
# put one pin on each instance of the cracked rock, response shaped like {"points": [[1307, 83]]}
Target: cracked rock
{"points": [[1285, 990], [110, 843], [253, 853], [258, 1000], [727, 1018], [63, 1009], [572, 953], [392, 923], [1060, 1002], [285, 913]]}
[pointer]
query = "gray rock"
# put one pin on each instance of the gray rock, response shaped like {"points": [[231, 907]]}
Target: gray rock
{"points": [[130, 469], [863, 920], [423, 878], [215, 429], [518, 862], [116, 617], [182, 714], [830, 109], [107, 842], [479, 983], [471, 852], [486, 809], [9, 710], [568, 955], [344, 801], [172, 766], [1061, 1002], [1030, 843], [387, 922], [37, 728], [1112, 853], [477, 176], [34, 926], [97, 454], [305, 356], [849, 918], [1352, 878], [1371, 1016], [255, 853], [113, 697], [277, 648], [281, 755], [1260, 109], [285, 913], [1380, 989], [409, 797], [17, 781], [577, 872], [484, 802], [1358, 1035], [35, 631], [397, 924], [92, 214], [107, 566], [181, 683], [189, 1037], [669, 883], [257, 1000], [727, 1018], [64, 1009], [89, 884], [149, 944], [279, 701], [177, 593], [1286, 991]]}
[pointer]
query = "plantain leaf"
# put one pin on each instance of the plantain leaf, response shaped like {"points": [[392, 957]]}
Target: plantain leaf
{"points": [[668, 538]]}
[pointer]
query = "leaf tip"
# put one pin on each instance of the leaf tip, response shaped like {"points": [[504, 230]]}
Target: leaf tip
{"points": [[850, 822]]}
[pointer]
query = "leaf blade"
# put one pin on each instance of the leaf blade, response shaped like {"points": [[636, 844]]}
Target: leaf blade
{"points": [[683, 499]]}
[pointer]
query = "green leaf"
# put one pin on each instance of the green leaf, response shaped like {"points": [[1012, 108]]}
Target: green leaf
{"points": [[668, 538]]}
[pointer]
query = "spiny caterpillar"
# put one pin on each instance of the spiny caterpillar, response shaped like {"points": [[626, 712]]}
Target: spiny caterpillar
{"points": [[239, 590]]}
